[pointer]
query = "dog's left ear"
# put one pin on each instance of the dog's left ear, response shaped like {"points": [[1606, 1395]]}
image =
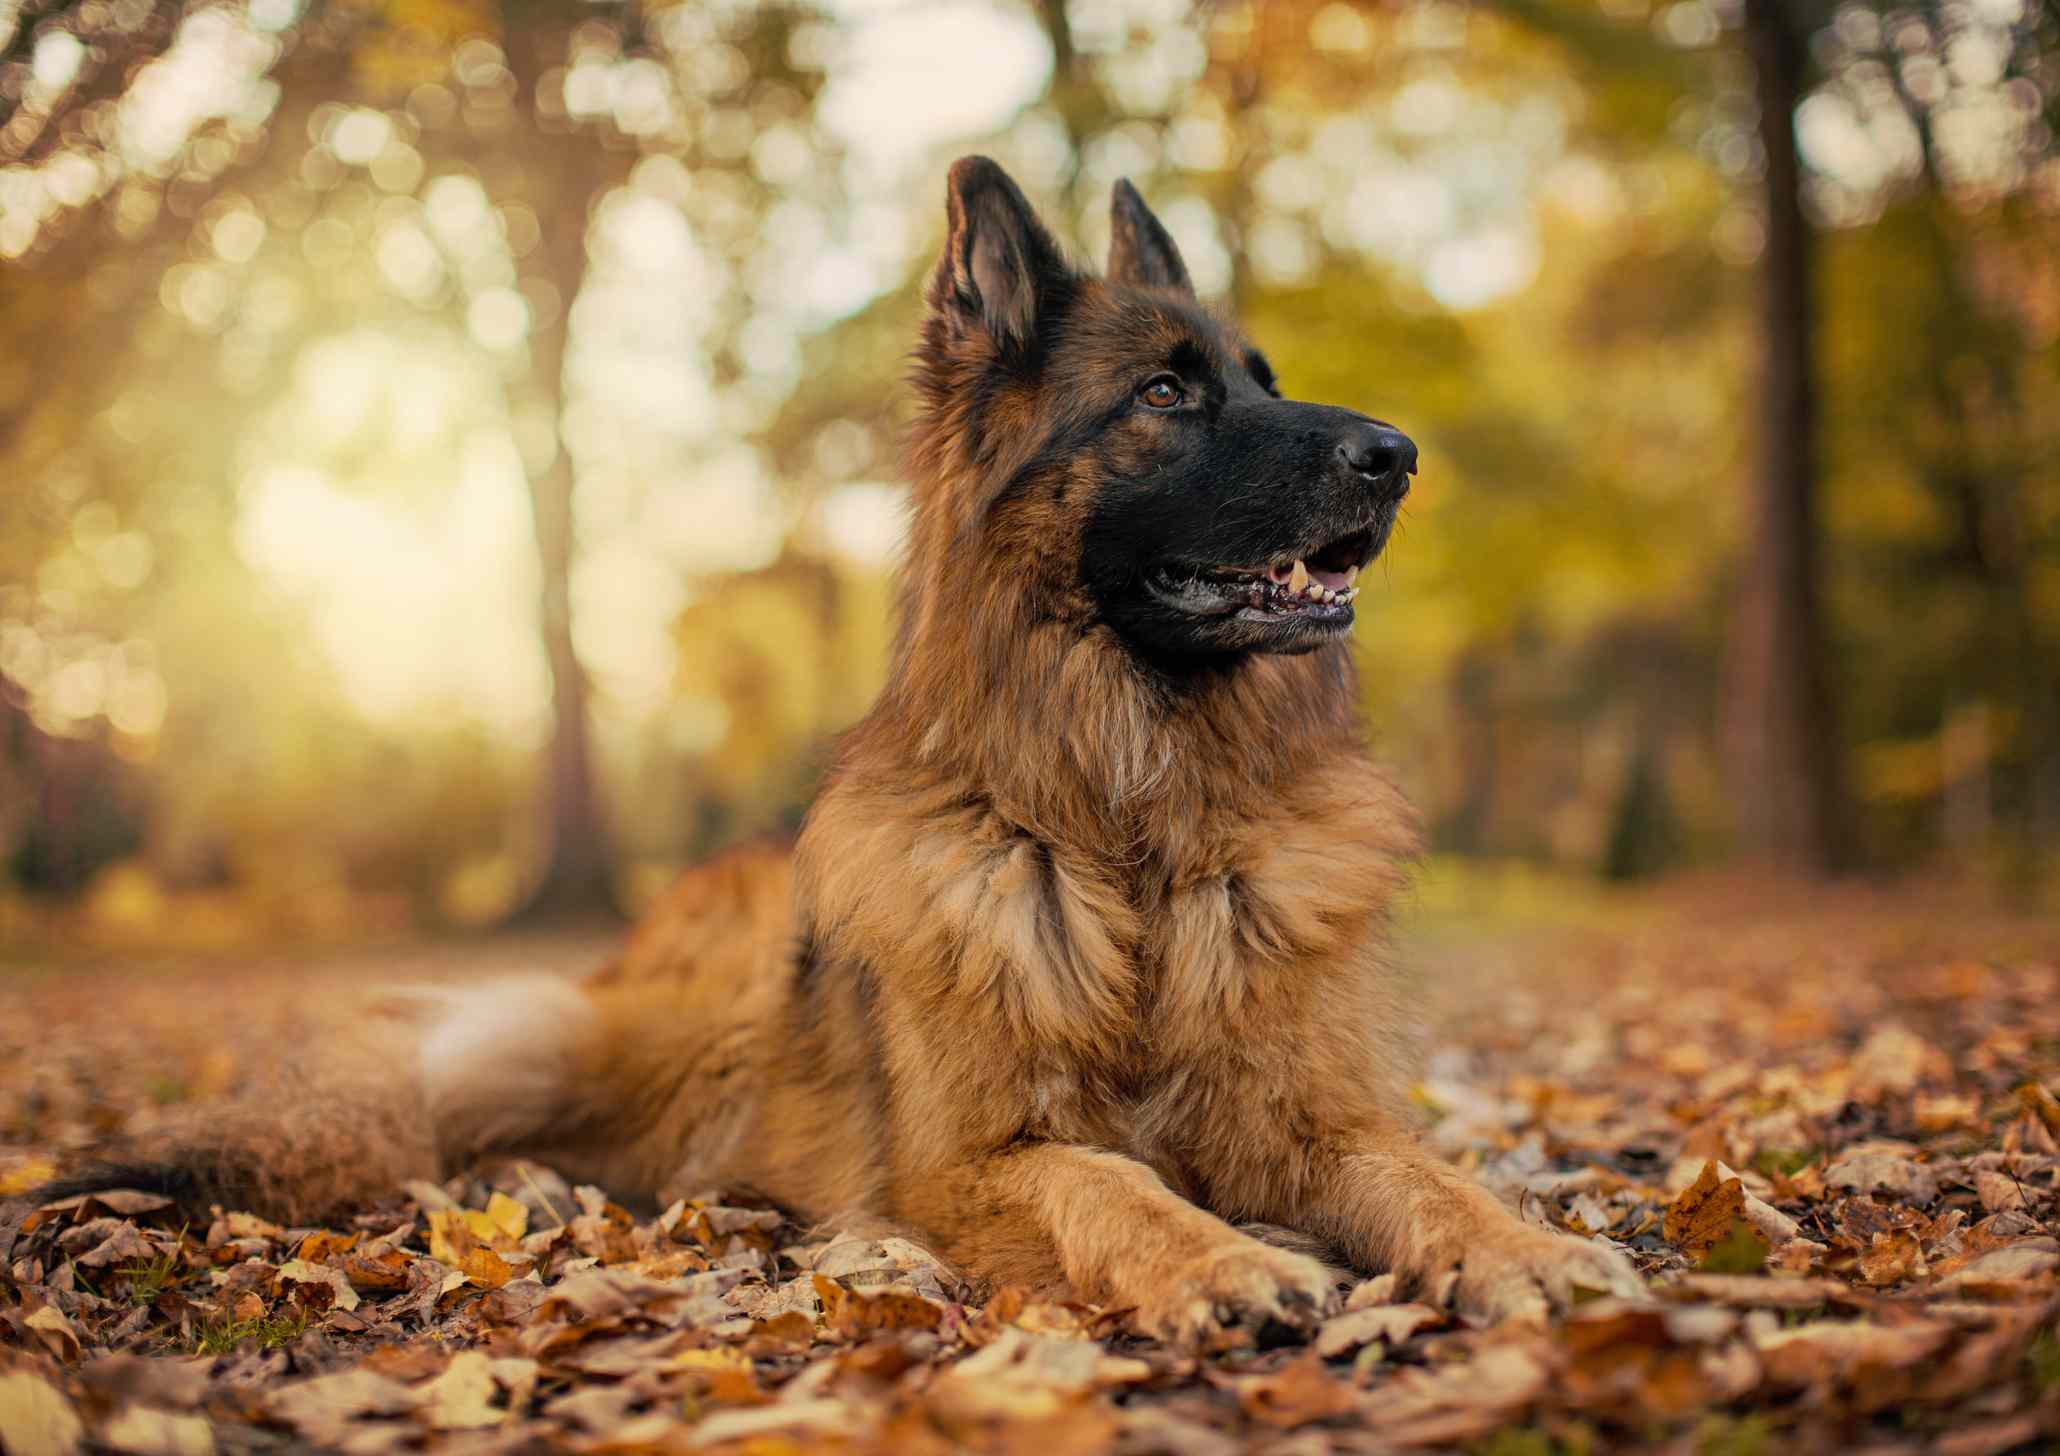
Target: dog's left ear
{"points": [[1000, 266], [1141, 251]]}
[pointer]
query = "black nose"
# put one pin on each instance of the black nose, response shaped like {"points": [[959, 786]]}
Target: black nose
{"points": [[1384, 456]]}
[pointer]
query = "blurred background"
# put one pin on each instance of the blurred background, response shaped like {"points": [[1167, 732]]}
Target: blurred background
{"points": [[449, 449]]}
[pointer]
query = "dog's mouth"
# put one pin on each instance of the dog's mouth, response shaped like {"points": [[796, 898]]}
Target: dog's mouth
{"points": [[1316, 586]]}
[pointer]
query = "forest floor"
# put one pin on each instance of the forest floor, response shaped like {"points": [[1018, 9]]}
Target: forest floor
{"points": [[1826, 1129]]}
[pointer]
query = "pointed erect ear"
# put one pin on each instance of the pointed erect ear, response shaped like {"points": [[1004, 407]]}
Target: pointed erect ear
{"points": [[1141, 251], [999, 263]]}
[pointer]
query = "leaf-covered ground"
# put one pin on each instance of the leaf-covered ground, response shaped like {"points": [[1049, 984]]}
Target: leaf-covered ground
{"points": [[1826, 1130]]}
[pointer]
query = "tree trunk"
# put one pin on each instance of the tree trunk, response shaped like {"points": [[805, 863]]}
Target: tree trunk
{"points": [[560, 174], [1780, 732], [576, 881]]}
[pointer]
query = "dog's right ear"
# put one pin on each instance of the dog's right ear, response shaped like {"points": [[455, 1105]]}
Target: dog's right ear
{"points": [[1000, 266]]}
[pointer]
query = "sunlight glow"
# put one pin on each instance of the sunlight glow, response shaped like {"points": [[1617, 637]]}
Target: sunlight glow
{"points": [[910, 77], [423, 607]]}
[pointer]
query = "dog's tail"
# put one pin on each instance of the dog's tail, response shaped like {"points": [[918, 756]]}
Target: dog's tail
{"points": [[436, 1079], [593, 1077]]}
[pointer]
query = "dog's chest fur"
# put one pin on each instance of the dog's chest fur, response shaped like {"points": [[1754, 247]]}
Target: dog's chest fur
{"points": [[1109, 1001]]}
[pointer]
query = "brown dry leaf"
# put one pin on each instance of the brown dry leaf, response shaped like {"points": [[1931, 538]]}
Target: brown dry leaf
{"points": [[1754, 1292], [1014, 1307], [126, 1244], [322, 1245], [2041, 1104], [329, 1410], [171, 1383], [1946, 1112], [1018, 1357], [1825, 1353], [300, 1271], [803, 1417], [122, 1202], [142, 1431], [1389, 1324], [1380, 1289], [1895, 1060], [850, 1315], [463, 1396], [1998, 1191], [36, 1418], [382, 1272], [782, 1334], [239, 1225], [2027, 1259], [602, 1230], [56, 1332], [1883, 1171], [1454, 1404], [1703, 1215], [1300, 1392], [1892, 1258], [1993, 1438], [1640, 1358]]}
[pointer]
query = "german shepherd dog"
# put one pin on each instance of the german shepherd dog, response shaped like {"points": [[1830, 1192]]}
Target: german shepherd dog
{"points": [[1079, 961]]}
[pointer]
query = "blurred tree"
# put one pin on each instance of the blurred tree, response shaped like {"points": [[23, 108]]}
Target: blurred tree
{"points": [[548, 107], [1882, 77], [1781, 737]]}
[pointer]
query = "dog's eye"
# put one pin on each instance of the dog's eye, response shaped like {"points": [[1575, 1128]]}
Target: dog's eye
{"points": [[1163, 392]]}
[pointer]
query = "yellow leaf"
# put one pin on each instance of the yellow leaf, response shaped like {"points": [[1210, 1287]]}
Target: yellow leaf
{"points": [[503, 1216], [27, 1177], [37, 1418]]}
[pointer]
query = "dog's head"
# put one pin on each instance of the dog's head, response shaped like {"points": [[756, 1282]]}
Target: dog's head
{"points": [[1131, 450]]}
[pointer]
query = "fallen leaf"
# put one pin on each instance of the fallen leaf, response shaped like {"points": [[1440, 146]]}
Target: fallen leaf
{"points": [[852, 1315], [325, 1409], [380, 1272], [1884, 1172], [822, 1417], [1892, 1258], [56, 1332], [1390, 1324], [792, 1331], [1998, 1191], [146, 1432], [1706, 1211], [452, 1241], [35, 1417], [2041, 1104], [462, 1398], [1826, 1353], [300, 1271], [1302, 1391], [1771, 1293]]}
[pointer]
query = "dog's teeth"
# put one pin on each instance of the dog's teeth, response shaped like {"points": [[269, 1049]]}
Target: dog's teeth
{"points": [[1298, 577], [1351, 575]]}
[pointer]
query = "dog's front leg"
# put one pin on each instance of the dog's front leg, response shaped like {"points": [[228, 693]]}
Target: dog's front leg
{"points": [[1125, 1239], [1393, 1206]]}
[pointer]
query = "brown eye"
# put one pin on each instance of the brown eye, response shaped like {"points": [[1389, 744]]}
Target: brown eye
{"points": [[1162, 393]]}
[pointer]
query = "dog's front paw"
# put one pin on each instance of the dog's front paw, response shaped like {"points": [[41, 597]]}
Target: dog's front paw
{"points": [[1239, 1293], [1524, 1273]]}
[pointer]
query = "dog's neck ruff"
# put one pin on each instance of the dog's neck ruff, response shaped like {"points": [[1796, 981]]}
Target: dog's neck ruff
{"points": [[1037, 709]]}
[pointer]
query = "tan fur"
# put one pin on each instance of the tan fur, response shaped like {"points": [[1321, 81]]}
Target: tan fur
{"points": [[1070, 971]]}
